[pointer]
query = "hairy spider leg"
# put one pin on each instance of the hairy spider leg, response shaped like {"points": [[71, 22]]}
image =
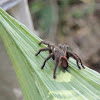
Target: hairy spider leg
{"points": [[60, 46], [70, 54], [57, 58], [46, 43], [44, 49], [65, 48], [51, 55], [55, 68], [80, 60]]}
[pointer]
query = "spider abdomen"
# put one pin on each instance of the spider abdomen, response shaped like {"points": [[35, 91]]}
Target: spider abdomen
{"points": [[63, 62]]}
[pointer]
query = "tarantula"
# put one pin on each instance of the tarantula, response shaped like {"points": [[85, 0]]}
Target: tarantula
{"points": [[60, 54]]}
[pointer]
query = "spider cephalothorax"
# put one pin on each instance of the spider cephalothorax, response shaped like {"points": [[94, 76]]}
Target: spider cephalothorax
{"points": [[60, 54]]}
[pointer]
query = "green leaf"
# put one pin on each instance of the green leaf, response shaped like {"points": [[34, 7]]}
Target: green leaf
{"points": [[37, 84]]}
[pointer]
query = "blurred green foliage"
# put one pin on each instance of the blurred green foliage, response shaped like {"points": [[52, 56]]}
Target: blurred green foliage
{"points": [[44, 14], [81, 13]]}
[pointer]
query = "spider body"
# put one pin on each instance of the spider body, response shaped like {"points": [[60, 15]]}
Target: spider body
{"points": [[60, 55]]}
